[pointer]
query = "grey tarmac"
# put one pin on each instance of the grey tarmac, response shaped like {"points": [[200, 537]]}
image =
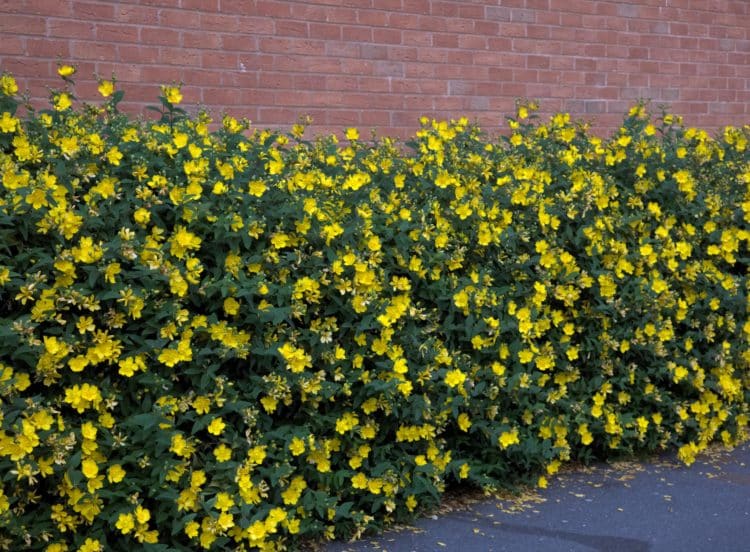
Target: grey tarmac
{"points": [[649, 506]]}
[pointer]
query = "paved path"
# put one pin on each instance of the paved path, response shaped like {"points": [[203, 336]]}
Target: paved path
{"points": [[660, 506]]}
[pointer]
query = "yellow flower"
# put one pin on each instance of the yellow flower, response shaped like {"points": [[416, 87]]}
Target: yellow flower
{"points": [[216, 427], [191, 529], [352, 134], [142, 515], [359, 481], [66, 70], [8, 85], [464, 422], [88, 431], [202, 404], [8, 123], [90, 545], [586, 437], [508, 438], [106, 88], [89, 468], [222, 453], [257, 188], [62, 101], [172, 94], [115, 473], [224, 502], [297, 446], [454, 378], [257, 531], [78, 363], [125, 523]]}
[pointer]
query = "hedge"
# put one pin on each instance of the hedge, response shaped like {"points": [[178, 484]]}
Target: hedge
{"points": [[213, 336]]}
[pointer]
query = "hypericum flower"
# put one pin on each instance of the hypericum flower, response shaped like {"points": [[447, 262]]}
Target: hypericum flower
{"points": [[508, 438], [62, 101], [222, 453], [8, 123], [89, 468], [115, 473], [172, 94], [454, 378], [8, 85], [66, 71], [216, 427], [106, 88], [125, 523]]}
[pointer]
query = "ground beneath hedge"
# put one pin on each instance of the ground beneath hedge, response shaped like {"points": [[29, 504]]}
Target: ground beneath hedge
{"points": [[633, 506]]}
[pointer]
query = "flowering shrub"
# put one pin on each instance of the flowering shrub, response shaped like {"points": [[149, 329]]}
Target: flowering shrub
{"points": [[221, 338]]}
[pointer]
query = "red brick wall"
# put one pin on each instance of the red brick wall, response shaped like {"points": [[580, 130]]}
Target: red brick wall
{"points": [[383, 63]]}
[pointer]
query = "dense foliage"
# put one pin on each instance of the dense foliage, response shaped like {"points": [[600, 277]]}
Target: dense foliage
{"points": [[235, 339]]}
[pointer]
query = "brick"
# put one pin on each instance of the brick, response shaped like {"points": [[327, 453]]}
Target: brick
{"points": [[198, 39], [246, 77], [275, 80], [375, 118], [356, 67], [380, 101], [342, 82], [220, 22], [45, 8], [163, 37], [291, 28], [180, 56], [93, 50], [300, 63], [181, 19], [236, 43], [416, 6], [387, 68], [537, 62], [325, 31], [402, 53], [472, 42], [497, 13], [45, 48], [70, 28], [416, 38], [387, 36], [109, 32], [461, 88], [22, 25], [400, 20], [356, 33], [309, 82], [138, 54], [199, 5], [219, 60], [129, 13], [445, 40], [161, 74], [340, 48], [537, 32], [343, 117], [12, 45], [374, 85], [486, 28], [373, 51], [124, 72], [382, 62], [268, 8], [291, 46]]}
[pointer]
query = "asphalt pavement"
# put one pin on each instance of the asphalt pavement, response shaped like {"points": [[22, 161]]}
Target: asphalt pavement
{"points": [[654, 506]]}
